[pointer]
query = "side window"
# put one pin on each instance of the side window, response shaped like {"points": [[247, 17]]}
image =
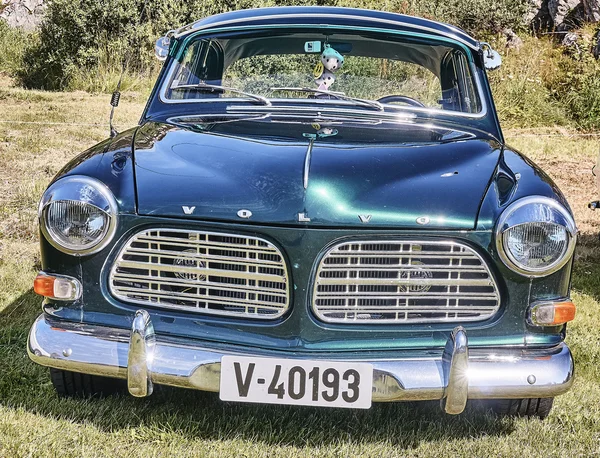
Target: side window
{"points": [[458, 90], [203, 61]]}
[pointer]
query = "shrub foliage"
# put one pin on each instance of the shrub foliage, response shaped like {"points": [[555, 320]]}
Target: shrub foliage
{"points": [[83, 35]]}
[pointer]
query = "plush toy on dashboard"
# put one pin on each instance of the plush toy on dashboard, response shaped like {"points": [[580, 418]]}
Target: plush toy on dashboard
{"points": [[331, 61]]}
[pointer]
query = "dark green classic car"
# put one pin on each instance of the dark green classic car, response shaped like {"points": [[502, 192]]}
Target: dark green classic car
{"points": [[316, 208]]}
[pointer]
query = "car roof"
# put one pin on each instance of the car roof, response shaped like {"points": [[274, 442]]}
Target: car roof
{"points": [[307, 15]]}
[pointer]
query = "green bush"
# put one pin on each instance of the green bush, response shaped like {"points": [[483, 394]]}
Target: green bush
{"points": [[576, 83], [82, 34], [520, 86], [12, 43], [78, 37]]}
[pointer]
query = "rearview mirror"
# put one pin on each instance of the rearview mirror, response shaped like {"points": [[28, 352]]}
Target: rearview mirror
{"points": [[161, 48], [491, 58]]}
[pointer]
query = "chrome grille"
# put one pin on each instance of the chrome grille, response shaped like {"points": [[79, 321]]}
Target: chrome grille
{"points": [[198, 271], [403, 281]]}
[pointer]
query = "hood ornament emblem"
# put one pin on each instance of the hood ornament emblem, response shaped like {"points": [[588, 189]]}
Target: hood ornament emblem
{"points": [[243, 213], [188, 210], [303, 218], [364, 218]]}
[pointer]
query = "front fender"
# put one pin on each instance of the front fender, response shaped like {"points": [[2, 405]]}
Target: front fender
{"points": [[111, 162]]}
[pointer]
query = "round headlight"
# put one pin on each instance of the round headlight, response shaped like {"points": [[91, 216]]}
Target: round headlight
{"points": [[535, 236], [78, 215]]}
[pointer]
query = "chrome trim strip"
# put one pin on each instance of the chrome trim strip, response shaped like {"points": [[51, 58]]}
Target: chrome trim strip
{"points": [[193, 27], [364, 269], [213, 282], [307, 162], [493, 373]]}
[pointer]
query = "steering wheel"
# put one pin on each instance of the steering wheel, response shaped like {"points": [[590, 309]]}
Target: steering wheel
{"points": [[402, 99]]}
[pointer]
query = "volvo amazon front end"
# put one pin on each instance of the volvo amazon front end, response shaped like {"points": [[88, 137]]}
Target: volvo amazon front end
{"points": [[317, 208]]}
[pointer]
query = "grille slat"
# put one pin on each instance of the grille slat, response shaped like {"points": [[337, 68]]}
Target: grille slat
{"points": [[199, 271], [203, 256], [201, 244], [233, 287], [404, 281], [400, 281]]}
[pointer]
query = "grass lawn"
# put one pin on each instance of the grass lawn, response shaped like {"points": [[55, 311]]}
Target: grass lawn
{"points": [[34, 422]]}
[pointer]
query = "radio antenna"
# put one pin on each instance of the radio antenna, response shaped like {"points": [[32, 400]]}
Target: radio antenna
{"points": [[114, 102], [116, 95]]}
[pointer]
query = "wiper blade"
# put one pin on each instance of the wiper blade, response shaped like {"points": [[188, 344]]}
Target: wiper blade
{"points": [[336, 95], [217, 87]]}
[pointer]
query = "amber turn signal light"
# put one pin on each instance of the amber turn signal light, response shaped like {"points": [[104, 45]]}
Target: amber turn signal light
{"points": [[552, 313], [59, 287]]}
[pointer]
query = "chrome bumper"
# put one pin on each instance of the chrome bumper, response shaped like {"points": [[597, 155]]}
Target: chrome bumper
{"points": [[454, 375]]}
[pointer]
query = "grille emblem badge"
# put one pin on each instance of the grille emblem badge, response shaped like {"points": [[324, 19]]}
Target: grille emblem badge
{"points": [[416, 272], [423, 220], [188, 210], [244, 213], [184, 261], [364, 218], [303, 218]]}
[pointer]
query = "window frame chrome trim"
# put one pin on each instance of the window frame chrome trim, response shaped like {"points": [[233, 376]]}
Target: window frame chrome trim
{"points": [[192, 28], [162, 92]]}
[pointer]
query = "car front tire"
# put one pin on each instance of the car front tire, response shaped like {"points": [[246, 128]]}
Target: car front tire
{"points": [[77, 385], [531, 407]]}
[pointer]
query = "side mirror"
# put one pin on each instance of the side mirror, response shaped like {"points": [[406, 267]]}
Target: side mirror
{"points": [[161, 48], [491, 58]]}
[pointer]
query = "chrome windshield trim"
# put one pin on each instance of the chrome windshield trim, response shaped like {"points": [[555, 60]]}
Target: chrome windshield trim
{"points": [[162, 93], [196, 27]]}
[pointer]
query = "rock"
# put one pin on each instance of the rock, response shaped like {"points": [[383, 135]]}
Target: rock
{"points": [[26, 14], [513, 41], [541, 20], [596, 48], [534, 7], [591, 10], [574, 20], [560, 9], [569, 40]]}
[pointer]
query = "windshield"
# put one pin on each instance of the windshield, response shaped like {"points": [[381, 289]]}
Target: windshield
{"points": [[332, 67]]}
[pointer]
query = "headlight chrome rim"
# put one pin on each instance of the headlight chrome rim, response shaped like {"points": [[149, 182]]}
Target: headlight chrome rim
{"points": [[502, 226], [111, 211]]}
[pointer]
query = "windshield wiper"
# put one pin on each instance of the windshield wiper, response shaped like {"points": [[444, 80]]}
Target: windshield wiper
{"points": [[216, 87], [336, 95]]}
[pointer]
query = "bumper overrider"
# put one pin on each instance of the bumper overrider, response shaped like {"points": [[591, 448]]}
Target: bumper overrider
{"points": [[454, 375]]}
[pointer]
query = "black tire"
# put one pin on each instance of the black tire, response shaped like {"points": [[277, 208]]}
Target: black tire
{"points": [[532, 407], [76, 385]]}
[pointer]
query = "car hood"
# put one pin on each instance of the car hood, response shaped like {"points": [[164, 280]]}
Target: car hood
{"points": [[379, 174]]}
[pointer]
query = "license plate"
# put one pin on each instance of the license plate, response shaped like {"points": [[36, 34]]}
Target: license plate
{"points": [[306, 383]]}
